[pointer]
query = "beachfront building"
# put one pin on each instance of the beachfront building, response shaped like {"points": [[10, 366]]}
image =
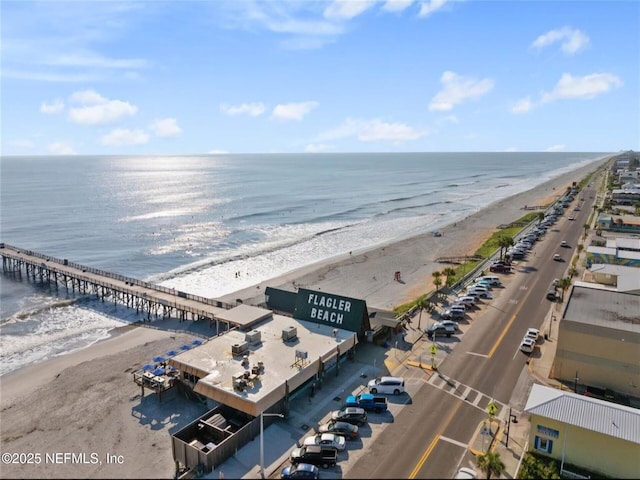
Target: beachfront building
{"points": [[598, 343], [593, 434], [617, 277], [270, 359], [628, 195], [615, 251]]}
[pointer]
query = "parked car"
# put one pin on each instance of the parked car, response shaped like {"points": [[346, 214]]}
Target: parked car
{"points": [[352, 415], [466, 473], [300, 471], [532, 333], [439, 330], [393, 385], [466, 300], [344, 429], [449, 323], [527, 345], [453, 313], [315, 455], [330, 440], [500, 268], [483, 283]]}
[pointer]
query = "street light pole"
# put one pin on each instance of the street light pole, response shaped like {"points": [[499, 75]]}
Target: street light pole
{"points": [[262, 415]]}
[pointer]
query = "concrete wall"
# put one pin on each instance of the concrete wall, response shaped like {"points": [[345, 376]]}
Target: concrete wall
{"points": [[594, 451], [603, 357]]}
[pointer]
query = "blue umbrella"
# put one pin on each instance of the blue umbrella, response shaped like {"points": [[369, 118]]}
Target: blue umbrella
{"points": [[158, 371], [148, 366], [196, 342], [158, 358], [184, 347], [172, 353]]}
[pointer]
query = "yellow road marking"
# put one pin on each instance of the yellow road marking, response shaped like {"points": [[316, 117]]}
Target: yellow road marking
{"points": [[432, 445], [504, 332]]}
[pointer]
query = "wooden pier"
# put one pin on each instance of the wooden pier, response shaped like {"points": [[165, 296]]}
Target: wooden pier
{"points": [[145, 297]]}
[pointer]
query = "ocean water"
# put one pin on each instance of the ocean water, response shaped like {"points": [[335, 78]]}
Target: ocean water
{"points": [[193, 222]]}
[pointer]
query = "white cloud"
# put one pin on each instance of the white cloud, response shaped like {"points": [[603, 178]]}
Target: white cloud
{"points": [[396, 5], [572, 41], [587, 87], [318, 148], [50, 108], [252, 109], [121, 137], [556, 148], [165, 127], [373, 131], [347, 9], [87, 97], [430, 6], [98, 110], [522, 106], [94, 60], [217, 152], [49, 77], [293, 111], [511, 149], [60, 148], [458, 89]]}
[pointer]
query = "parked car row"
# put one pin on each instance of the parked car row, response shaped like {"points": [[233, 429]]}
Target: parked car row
{"points": [[321, 449], [528, 343]]}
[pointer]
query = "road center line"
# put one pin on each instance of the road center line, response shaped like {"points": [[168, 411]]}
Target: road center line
{"points": [[432, 445], [504, 332]]}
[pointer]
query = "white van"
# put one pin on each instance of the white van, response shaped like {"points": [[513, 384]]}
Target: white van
{"points": [[393, 385]]}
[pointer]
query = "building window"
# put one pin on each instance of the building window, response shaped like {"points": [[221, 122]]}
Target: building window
{"points": [[543, 444]]}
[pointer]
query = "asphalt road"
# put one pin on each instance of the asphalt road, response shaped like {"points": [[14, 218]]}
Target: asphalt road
{"points": [[429, 439]]}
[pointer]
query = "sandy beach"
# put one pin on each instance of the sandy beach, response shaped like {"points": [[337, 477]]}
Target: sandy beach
{"points": [[85, 402]]}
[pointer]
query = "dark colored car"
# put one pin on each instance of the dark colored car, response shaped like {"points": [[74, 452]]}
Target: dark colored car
{"points": [[339, 428], [500, 268], [352, 415], [301, 470]]}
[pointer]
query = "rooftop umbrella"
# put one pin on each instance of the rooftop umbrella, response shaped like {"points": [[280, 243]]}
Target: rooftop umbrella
{"points": [[184, 347], [172, 353], [158, 371], [158, 358], [148, 366], [196, 342]]}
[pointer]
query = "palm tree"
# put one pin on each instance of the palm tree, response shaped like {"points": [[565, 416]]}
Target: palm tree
{"points": [[540, 217], [504, 242], [491, 464], [437, 280], [449, 273], [563, 284], [422, 304]]}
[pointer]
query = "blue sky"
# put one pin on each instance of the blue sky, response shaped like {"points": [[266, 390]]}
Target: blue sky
{"points": [[243, 76]]}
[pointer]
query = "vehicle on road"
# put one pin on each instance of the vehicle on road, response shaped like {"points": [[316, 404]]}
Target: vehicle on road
{"points": [[466, 473], [366, 401], [564, 244], [551, 294], [344, 429], [394, 385], [330, 440], [527, 345], [570, 217], [352, 415], [300, 471], [557, 257], [314, 455]]}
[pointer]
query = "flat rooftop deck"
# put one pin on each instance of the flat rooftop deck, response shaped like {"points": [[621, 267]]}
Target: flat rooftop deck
{"points": [[216, 364]]}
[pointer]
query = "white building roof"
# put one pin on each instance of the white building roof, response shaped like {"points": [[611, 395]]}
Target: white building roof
{"points": [[614, 252], [607, 418]]}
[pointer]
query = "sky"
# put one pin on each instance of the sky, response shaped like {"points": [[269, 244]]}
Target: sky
{"points": [[291, 76]]}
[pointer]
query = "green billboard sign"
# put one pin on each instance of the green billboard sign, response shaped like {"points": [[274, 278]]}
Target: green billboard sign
{"points": [[329, 309]]}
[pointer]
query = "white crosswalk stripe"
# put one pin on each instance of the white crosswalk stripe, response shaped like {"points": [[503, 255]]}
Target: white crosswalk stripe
{"points": [[463, 392]]}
